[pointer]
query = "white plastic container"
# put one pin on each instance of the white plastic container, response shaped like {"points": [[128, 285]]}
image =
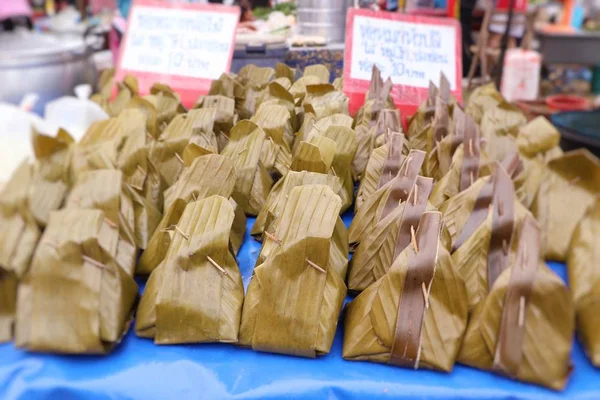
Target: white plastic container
{"points": [[521, 75]]}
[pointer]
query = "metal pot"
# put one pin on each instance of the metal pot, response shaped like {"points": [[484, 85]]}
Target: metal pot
{"points": [[323, 18], [45, 64]]}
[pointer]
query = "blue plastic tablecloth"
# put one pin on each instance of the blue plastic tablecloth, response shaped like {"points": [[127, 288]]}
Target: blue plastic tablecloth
{"points": [[138, 369]]}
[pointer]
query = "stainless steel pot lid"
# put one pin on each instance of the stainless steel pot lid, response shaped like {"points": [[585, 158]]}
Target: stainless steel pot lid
{"points": [[25, 48]]}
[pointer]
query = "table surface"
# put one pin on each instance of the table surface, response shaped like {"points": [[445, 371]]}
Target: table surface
{"points": [[138, 369]]}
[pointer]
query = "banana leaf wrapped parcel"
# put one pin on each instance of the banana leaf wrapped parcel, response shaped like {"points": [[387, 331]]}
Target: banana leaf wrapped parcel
{"points": [[569, 187], [253, 182], [583, 267], [384, 163], [75, 298], [482, 222], [524, 328], [207, 175], [415, 315], [500, 127], [51, 180], [280, 192], [391, 234], [195, 295], [20, 232], [482, 99], [275, 318], [386, 198], [377, 99]]}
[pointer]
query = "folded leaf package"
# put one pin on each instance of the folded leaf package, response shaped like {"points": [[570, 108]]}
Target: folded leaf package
{"points": [[206, 176], [100, 146], [195, 295], [483, 98], [19, 236], [295, 297], [500, 127], [276, 154], [371, 138], [51, 180], [323, 100], [482, 222], [377, 99], [142, 177], [389, 193], [434, 132], [311, 126], [75, 299], [345, 148], [280, 192], [421, 120], [415, 315], [583, 267], [254, 81], [225, 116], [570, 185], [384, 163], [194, 128], [524, 328], [20, 232], [253, 182], [104, 190], [466, 163]]}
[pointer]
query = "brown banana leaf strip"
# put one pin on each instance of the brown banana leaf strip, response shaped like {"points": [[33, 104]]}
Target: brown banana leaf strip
{"points": [[413, 301], [509, 349], [405, 180], [469, 172], [393, 160]]}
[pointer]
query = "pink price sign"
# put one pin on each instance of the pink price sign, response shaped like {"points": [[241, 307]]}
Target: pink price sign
{"points": [[183, 45], [411, 50]]}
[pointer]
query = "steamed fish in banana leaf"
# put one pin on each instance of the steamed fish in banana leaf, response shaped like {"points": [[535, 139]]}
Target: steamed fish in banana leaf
{"points": [[195, 295], [275, 318], [415, 315], [75, 298]]}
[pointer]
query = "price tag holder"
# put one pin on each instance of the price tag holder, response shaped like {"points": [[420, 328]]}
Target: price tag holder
{"points": [[411, 50], [183, 45]]}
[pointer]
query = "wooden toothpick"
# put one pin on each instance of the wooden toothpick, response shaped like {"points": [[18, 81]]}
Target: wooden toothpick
{"points": [[216, 265], [315, 266], [413, 239]]}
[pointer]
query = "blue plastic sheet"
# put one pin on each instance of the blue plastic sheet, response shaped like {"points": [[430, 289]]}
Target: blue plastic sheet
{"points": [[138, 369]]}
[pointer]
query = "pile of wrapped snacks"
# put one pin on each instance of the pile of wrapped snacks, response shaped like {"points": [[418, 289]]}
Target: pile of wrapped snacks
{"points": [[452, 223]]}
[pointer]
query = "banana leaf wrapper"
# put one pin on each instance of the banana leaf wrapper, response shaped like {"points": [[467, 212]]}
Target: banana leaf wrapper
{"points": [[253, 181], [254, 76], [315, 155], [482, 99], [466, 166], [167, 106], [225, 116], [384, 164], [570, 185], [500, 127], [104, 190], [20, 233], [584, 281], [312, 126], [278, 95], [195, 295], [373, 137], [75, 299], [487, 223], [323, 100], [439, 160], [276, 154], [100, 146], [319, 71], [126, 90], [416, 314], [424, 115], [295, 297], [386, 198], [196, 127], [389, 236], [106, 82], [338, 83], [51, 178], [346, 144], [537, 136], [433, 133], [377, 98], [227, 86], [298, 88], [524, 328], [284, 71], [209, 175], [280, 193], [139, 173], [8, 304]]}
